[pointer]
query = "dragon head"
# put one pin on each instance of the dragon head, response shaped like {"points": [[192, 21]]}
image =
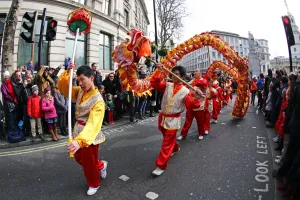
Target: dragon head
{"points": [[139, 44]]}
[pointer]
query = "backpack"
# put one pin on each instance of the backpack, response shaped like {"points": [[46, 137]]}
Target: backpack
{"points": [[14, 137]]}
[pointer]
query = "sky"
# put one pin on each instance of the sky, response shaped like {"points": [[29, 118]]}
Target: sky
{"points": [[261, 17]]}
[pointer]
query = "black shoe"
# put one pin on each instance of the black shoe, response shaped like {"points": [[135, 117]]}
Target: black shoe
{"points": [[33, 139], [278, 149], [64, 133], [42, 137], [140, 116], [134, 121]]}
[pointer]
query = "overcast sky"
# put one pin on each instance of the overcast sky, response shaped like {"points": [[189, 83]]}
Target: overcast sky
{"points": [[261, 17]]}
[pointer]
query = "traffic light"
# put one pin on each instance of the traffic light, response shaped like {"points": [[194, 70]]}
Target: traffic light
{"points": [[29, 26], [51, 30], [288, 30]]}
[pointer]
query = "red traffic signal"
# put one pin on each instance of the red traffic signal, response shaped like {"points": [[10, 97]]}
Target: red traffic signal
{"points": [[53, 23], [288, 30], [51, 30], [286, 20]]}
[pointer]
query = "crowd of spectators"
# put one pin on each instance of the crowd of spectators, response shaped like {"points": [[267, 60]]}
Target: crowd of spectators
{"points": [[23, 90], [279, 99]]}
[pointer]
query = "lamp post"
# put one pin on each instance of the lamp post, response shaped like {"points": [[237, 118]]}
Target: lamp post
{"points": [[155, 28]]}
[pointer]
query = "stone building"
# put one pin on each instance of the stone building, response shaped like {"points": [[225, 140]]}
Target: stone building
{"points": [[202, 58], [112, 19]]}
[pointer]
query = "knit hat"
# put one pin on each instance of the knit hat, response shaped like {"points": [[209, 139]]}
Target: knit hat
{"points": [[6, 73], [34, 88], [46, 90]]}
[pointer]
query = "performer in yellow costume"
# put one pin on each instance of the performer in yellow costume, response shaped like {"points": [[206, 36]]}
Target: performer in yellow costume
{"points": [[87, 134]]}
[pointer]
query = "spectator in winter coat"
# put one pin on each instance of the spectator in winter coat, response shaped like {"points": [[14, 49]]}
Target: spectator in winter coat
{"points": [[25, 94], [98, 77], [50, 113], [43, 80], [268, 80], [61, 105], [30, 66], [34, 112], [67, 63], [275, 97], [10, 100], [268, 108], [253, 88], [260, 88]]}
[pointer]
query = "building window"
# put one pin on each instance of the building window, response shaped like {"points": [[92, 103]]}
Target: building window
{"points": [[105, 51], [106, 7], [29, 51], [80, 1], [126, 18], [80, 56], [295, 49], [213, 54], [2, 25], [264, 68]]}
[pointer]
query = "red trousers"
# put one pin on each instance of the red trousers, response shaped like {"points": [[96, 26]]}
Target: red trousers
{"points": [[216, 109], [227, 98], [169, 146], [190, 114], [206, 120], [87, 157], [110, 116]]}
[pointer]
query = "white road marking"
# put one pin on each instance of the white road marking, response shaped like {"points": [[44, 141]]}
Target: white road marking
{"points": [[124, 178], [151, 195]]}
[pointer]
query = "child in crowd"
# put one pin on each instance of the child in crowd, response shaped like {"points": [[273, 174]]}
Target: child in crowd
{"points": [[110, 108], [34, 112], [50, 113], [102, 91]]}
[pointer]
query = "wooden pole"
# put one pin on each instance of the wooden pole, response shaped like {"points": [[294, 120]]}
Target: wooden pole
{"points": [[70, 93], [181, 80]]}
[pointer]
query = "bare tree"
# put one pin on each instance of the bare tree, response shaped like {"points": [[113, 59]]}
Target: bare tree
{"points": [[170, 14], [9, 34]]}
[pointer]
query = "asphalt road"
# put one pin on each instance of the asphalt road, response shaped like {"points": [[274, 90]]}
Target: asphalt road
{"points": [[233, 162]]}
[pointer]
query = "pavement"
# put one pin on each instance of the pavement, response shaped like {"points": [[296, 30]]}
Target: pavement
{"points": [[48, 138], [234, 162]]}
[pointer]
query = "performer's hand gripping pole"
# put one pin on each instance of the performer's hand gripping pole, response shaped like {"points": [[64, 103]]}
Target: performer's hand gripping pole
{"points": [[70, 93]]}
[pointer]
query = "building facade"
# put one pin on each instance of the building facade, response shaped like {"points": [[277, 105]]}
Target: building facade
{"points": [[203, 58], [112, 19], [281, 62]]}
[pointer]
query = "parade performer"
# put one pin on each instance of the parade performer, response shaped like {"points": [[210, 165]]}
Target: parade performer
{"points": [[217, 102], [228, 88], [211, 94], [175, 98], [224, 93], [87, 134], [197, 113]]}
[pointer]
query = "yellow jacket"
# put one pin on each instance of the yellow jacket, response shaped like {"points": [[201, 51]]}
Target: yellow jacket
{"points": [[94, 123]]}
